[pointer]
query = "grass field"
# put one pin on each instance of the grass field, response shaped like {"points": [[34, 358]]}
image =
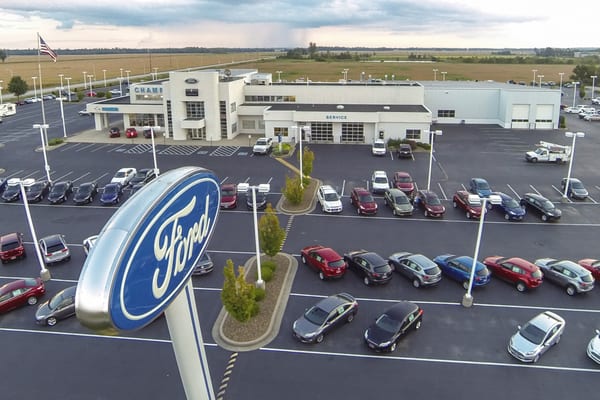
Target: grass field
{"points": [[98, 65]]}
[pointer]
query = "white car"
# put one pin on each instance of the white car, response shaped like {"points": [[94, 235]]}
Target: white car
{"points": [[123, 176], [379, 182], [596, 100], [592, 117], [84, 112], [329, 199], [593, 349], [263, 146], [115, 92], [54, 248], [378, 148], [572, 110]]}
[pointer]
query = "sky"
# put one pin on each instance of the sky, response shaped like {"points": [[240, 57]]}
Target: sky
{"points": [[75, 24]]}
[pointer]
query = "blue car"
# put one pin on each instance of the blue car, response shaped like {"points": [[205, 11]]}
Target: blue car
{"points": [[480, 187], [111, 193], [459, 269], [510, 207]]}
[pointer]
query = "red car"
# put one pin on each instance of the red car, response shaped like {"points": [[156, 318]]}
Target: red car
{"points": [[430, 203], [11, 247], [131, 133], [469, 203], [228, 196], [363, 200], [521, 273], [591, 265], [404, 182], [325, 260], [17, 293]]}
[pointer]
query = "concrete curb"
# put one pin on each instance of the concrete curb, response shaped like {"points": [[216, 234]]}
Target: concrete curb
{"points": [[275, 323]]}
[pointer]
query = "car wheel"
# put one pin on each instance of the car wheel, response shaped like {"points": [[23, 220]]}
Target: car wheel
{"points": [[466, 285], [506, 217], [416, 282], [394, 212], [571, 290], [536, 359], [358, 211], [32, 300], [544, 217], [521, 286], [418, 325], [319, 338], [425, 213], [303, 259], [321, 276], [350, 317], [393, 347], [51, 321], [366, 280], [534, 160], [468, 215]]}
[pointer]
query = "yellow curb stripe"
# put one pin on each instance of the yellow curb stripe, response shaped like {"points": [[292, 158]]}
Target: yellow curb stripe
{"points": [[287, 164]]}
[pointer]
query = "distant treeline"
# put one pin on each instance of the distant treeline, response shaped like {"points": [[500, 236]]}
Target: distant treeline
{"points": [[183, 50]]}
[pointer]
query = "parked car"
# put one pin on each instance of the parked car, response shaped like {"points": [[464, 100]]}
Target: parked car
{"points": [[91, 93], [37, 191], [467, 202], [263, 145], [398, 201], [111, 194], [131, 133], [510, 208], [329, 199], [593, 348], [592, 117], [12, 192], [327, 314], [378, 148], [517, 271], [148, 133], [404, 150], [573, 277], [572, 110], [54, 249], [228, 196], [123, 176], [85, 193], [3, 184], [48, 96], [11, 247], [430, 203], [142, 177], [379, 182], [261, 199], [84, 112], [480, 187], [114, 132], [373, 268], [391, 326], [403, 181], [596, 100], [363, 200], [541, 205], [115, 92], [18, 293], [60, 191], [417, 268], [60, 306], [326, 261], [536, 337], [575, 188], [591, 265], [88, 243], [459, 269], [204, 265]]}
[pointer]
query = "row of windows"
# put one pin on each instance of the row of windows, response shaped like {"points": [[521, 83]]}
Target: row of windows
{"points": [[446, 113], [270, 99], [194, 110]]}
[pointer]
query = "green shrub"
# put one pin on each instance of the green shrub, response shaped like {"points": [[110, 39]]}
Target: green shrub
{"points": [[259, 293], [269, 264], [425, 146], [55, 141], [266, 272], [254, 309], [285, 149], [293, 191], [561, 122]]}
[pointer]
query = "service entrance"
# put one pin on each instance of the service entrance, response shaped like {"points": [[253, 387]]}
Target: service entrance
{"points": [[353, 133], [520, 116], [543, 116]]}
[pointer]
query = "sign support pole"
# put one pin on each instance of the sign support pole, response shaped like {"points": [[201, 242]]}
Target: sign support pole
{"points": [[184, 329]]}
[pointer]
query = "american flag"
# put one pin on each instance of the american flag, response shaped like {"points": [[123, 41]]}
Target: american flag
{"points": [[45, 49]]}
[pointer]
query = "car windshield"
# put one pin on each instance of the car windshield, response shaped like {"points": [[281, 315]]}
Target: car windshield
{"points": [[331, 196], [577, 185], [388, 324], [59, 188], [379, 145], [512, 203], [433, 200], [261, 141], [55, 301], [120, 174], [228, 192], [337, 263], [401, 200], [366, 198], [548, 205], [85, 188], [532, 333], [36, 187], [12, 189], [10, 245], [380, 179], [403, 179], [316, 315], [29, 282], [111, 189], [482, 185]]}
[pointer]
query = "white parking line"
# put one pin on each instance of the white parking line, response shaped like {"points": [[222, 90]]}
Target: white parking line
{"points": [[60, 178], [442, 191], [561, 193], [592, 200], [534, 189], [101, 147], [81, 177], [514, 191], [343, 188], [86, 147]]}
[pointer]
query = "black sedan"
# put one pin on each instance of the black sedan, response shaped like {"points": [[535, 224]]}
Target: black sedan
{"points": [[371, 266], [60, 306], [85, 193], [541, 205], [142, 177], [60, 191], [327, 314], [11, 193], [37, 191], [387, 330], [261, 200]]}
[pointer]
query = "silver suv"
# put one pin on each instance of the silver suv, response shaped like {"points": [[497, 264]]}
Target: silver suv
{"points": [[54, 249], [416, 267], [573, 277]]}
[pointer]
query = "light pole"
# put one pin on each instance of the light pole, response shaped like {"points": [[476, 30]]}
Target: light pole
{"points": [[345, 73], [127, 72], [152, 128], [540, 78], [68, 79], [593, 84], [155, 72], [443, 75], [121, 86], [91, 93], [432, 134], [574, 91], [34, 89], [279, 76], [62, 110], [574, 135], [84, 80], [41, 127], [44, 272], [534, 71], [435, 74], [561, 80], [104, 76], [121, 69], [467, 300], [1, 82]]}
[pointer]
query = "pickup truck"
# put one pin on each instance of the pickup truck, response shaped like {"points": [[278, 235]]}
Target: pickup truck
{"points": [[549, 152]]}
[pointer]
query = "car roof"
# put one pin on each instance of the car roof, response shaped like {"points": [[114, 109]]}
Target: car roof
{"points": [[401, 173], [400, 310], [396, 192], [535, 196], [573, 266], [372, 257], [546, 320], [379, 173], [328, 254], [10, 237], [332, 302], [10, 286], [521, 263], [52, 239], [327, 189], [361, 190]]}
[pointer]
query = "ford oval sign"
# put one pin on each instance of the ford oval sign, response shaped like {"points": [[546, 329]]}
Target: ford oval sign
{"points": [[147, 251]]}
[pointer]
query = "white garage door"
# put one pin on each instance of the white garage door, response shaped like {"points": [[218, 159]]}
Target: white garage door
{"points": [[543, 116], [520, 116]]}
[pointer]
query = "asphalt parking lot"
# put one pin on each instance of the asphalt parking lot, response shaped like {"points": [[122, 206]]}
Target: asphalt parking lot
{"points": [[457, 349]]}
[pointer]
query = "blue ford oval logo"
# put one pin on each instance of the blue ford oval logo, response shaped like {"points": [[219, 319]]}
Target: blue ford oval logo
{"points": [[148, 250]]}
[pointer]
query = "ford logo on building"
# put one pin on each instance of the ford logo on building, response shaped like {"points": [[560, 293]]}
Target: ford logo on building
{"points": [[191, 80], [147, 251]]}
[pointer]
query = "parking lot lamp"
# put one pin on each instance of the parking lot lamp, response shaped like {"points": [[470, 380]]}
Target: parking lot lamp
{"points": [[127, 72], [540, 78], [443, 75], [279, 76], [435, 74], [574, 91], [561, 80], [84, 80], [44, 272], [68, 79], [41, 127], [90, 77], [152, 128], [34, 88], [120, 86], [534, 71], [593, 84], [1, 82], [431, 134], [62, 110], [104, 76], [467, 300], [573, 135], [155, 73]]}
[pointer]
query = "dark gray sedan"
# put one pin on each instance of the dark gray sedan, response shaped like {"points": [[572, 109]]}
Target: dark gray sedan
{"points": [[327, 314], [417, 268], [60, 306]]}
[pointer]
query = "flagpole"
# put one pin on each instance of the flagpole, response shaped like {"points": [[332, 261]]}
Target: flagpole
{"points": [[42, 96]]}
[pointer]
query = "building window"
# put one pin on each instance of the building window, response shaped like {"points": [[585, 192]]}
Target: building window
{"points": [[261, 124], [248, 124], [270, 99], [194, 110], [413, 134], [234, 127], [191, 92], [197, 133], [232, 107], [281, 131], [353, 133], [446, 113]]}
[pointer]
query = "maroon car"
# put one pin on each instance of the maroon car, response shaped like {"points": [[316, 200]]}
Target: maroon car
{"points": [[469, 203], [228, 196], [17, 293], [364, 202], [403, 181], [591, 265], [521, 273], [325, 260], [11, 247], [430, 203]]}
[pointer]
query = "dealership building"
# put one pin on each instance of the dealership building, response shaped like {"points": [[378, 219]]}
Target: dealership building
{"points": [[218, 105]]}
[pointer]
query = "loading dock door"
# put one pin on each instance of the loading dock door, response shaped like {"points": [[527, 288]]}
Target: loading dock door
{"points": [[543, 116], [520, 116]]}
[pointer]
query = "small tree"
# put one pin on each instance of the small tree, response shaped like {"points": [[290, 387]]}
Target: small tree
{"points": [[237, 295], [17, 86], [293, 191], [270, 234], [307, 161], [582, 92], [3, 55]]}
